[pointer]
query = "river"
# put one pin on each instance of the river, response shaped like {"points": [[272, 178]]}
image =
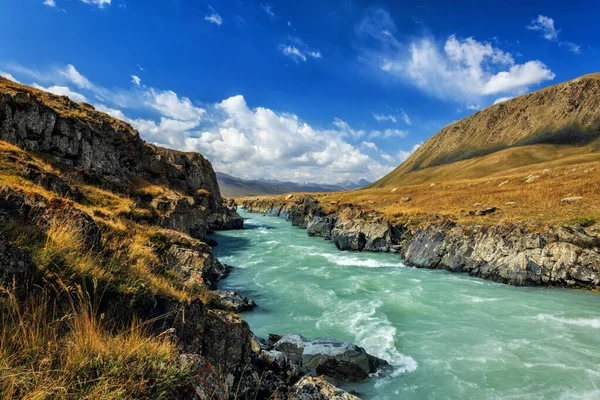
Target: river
{"points": [[448, 336]]}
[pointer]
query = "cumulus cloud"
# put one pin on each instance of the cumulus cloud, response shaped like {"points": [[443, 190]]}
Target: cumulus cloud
{"points": [[214, 17], [62, 91], [136, 80], [249, 142], [459, 69], [260, 142], [50, 3], [298, 51], [99, 3], [168, 103], [546, 26]]}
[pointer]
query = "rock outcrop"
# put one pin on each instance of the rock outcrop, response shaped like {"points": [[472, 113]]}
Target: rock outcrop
{"points": [[567, 256], [103, 149], [343, 361], [317, 388], [351, 229]]}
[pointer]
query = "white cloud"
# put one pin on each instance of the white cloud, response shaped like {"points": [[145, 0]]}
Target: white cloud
{"points": [[293, 52], [118, 114], [404, 154], [8, 76], [546, 26], [99, 3], [171, 105], [383, 117], [572, 47], [50, 3], [405, 117], [268, 9], [463, 70], [387, 134], [516, 78], [136, 80], [62, 91], [502, 99], [244, 141], [260, 142], [72, 75], [473, 107], [298, 50], [214, 18], [369, 145]]}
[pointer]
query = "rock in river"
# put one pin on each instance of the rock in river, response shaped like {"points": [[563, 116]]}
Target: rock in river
{"points": [[344, 361]]}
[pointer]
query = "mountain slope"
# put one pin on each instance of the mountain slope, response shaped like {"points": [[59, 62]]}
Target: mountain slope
{"points": [[237, 187], [555, 122]]}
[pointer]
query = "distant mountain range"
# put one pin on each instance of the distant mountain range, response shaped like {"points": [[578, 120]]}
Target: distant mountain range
{"points": [[236, 187]]}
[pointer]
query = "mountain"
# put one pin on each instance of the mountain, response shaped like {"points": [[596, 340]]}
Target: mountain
{"points": [[558, 122], [351, 185], [237, 187]]}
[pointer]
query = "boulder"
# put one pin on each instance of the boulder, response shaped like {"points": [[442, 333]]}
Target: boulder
{"points": [[344, 361], [232, 301], [321, 226], [317, 388], [486, 211]]}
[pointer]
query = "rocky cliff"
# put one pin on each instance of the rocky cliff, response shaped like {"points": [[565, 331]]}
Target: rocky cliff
{"points": [[109, 230], [566, 256], [108, 151]]}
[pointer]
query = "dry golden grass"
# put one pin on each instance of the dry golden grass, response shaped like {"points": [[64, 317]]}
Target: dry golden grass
{"points": [[571, 108], [133, 266], [47, 353], [530, 203]]}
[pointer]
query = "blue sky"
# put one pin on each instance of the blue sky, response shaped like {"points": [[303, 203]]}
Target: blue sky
{"points": [[296, 90]]}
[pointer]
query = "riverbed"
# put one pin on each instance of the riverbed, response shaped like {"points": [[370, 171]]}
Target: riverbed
{"points": [[448, 336]]}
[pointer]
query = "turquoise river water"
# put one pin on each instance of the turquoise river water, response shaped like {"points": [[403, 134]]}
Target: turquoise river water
{"points": [[448, 336]]}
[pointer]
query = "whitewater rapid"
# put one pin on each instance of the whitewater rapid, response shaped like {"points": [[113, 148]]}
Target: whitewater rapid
{"points": [[448, 336]]}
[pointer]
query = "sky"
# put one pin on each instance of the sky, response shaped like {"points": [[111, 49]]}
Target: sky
{"points": [[305, 91]]}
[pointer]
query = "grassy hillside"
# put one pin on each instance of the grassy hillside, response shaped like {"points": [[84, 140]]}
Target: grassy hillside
{"points": [[236, 187], [561, 121], [522, 156]]}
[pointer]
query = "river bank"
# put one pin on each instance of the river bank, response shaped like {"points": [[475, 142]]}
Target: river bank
{"points": [[447, 335], [562, 256]]}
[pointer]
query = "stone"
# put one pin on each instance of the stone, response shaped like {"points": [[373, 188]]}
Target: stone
{"points": [[406, 199], [232, 301], [570, 200], [344, 361], [486, 211], [393, 190], [532, 178], [503, 183], [317, 388], [102, 149], [289, 196]]}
